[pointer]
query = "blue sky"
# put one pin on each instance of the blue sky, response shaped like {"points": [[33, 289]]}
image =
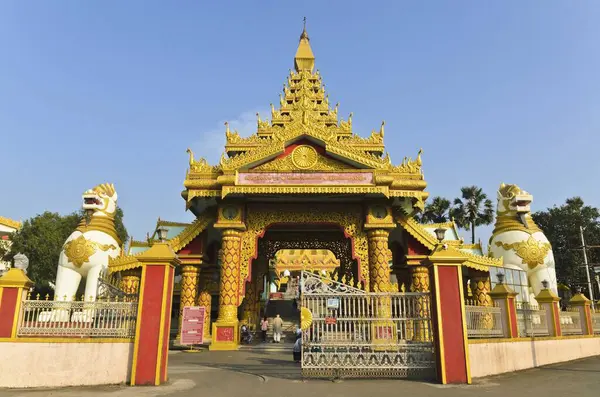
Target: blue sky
{"points": [[95, 91]]}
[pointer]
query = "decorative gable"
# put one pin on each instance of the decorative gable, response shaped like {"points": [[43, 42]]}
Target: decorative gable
{"points": [[303, 156]]}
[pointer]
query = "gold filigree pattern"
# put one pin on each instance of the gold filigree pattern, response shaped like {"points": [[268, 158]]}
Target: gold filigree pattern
{"points": [[189, 289], [286, 164], [230, 276], [420, 283], [130, 282], [304, 157], [205, 299], [532, 252], [306, 318], [78, 251], [348, 217]]}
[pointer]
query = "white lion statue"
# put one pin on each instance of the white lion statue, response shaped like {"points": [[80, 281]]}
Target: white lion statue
{"points": [[86, 251], [21, 262], [519, 241]]}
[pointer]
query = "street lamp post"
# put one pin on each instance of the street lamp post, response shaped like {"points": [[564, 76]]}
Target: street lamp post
{"points": [[587, 268]]}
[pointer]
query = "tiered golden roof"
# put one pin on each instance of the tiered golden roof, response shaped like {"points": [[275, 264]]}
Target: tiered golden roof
{"points": [[10, 223], [304, 113]]}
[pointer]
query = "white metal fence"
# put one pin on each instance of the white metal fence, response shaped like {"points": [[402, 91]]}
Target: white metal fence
{"points": [[484, 321], [352, 333], [531, 321], [570, 322], [105, 319]]}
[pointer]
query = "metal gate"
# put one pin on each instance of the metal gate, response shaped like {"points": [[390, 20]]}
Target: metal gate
{"points": [[350, 333]]}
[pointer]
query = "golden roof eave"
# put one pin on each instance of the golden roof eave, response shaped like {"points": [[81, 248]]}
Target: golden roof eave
{"points": [[10, 223]]}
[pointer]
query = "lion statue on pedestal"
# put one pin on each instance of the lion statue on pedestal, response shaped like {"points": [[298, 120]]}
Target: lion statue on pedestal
{"points": [[86, 251], [519, 241]]}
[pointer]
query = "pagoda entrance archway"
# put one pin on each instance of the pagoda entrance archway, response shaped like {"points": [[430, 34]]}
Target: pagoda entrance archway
{"points": [[306, 245]]}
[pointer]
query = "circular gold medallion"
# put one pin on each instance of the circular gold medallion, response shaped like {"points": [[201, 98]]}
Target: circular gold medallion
{"points": [[304, 157], [305, 318]]}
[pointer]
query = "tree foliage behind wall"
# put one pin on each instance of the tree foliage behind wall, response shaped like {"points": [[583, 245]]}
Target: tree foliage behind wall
{"points": [[41, 238], [561, 226]]}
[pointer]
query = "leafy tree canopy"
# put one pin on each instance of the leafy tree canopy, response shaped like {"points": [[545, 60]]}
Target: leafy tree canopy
{"points": [[437, 211], [41, 238], [561, 226], [472, 209]]}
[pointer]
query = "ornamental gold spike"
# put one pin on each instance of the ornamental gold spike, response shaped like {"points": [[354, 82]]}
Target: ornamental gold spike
{"points": [[419, 161], [381, 131], [189, 151]]}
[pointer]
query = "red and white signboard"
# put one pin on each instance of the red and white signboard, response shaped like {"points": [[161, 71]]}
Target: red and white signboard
{"points": [[192, 325]]}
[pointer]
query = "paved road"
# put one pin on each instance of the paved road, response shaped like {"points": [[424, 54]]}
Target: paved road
{"points": [[262, 373]]}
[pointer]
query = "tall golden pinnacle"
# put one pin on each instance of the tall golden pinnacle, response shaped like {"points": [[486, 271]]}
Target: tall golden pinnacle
{"points": [[304, 59]]}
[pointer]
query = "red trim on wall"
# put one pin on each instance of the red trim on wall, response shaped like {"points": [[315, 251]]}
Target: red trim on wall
{"points": [[452, 325], [8, 306], [512, 312], [588, 320], [415, 247], [167, 327], [194, 247], [150, 325], [556, 318], [290, 148]]}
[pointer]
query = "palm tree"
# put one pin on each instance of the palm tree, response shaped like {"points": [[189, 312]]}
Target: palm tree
{"points": [[438, 211], [472, 209]]}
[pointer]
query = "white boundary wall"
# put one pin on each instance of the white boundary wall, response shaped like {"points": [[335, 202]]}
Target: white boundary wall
{"points": [[58, 364], [491, 358]]}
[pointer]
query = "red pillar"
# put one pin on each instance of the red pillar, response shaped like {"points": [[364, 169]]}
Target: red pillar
{"points": [[14, 285], [151, 348], [449, 317]]}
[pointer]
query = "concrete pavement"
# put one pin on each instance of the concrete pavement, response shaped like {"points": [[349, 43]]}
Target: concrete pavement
{"points": [[268, 374]]}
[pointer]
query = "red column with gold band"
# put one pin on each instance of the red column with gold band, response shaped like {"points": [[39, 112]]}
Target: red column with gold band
{"points": [[450, 319], [14, 285], [151, 345]]}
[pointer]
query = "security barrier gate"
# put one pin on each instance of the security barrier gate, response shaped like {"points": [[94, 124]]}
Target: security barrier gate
{"points": [[350, 333]]}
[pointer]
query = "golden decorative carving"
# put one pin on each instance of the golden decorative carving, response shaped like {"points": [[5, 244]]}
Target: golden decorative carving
{"points": [[130, 282], [304, 157], [201, 165], [286, 164], [205, 219], [205, 299], [420, 283], [79, 250], [379, 257], [305, 318], [10, 223], [480, 288], [249, 315], [189, 289], [532, 251], [230, 276], [383, 190], [348, 217], [103, 224]]}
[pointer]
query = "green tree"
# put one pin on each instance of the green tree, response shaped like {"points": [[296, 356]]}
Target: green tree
{"points": [[437, 211], [41, 238], [561, 226], [472, 209]]}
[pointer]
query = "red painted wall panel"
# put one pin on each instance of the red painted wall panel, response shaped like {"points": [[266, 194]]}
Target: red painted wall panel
{"points": [[514, 331], [150, 325], [7, 311], [167, 328], [415, 247], [452, 324], [194, 247]]}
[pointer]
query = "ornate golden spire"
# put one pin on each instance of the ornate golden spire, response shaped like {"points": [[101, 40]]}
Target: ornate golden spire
{"points": [[304, 59]]}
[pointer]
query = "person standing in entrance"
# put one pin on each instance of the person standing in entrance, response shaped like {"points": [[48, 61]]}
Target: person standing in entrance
{"points": [[277, 329], [264, 326]]}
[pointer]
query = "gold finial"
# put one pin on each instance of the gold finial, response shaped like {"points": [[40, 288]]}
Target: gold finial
{"points": [[272, 110], [227, 128], [304, 35], [281, 102], [258, 117], [189, 151], [304, 59], [381, 131], [419, 161], [350, 118]]}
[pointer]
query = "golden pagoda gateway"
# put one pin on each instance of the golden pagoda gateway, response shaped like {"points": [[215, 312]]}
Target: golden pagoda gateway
{"points": [[303, 181]]}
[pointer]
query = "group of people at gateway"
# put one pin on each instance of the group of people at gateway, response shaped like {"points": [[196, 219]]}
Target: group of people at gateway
{"points": [[247, 337]]}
